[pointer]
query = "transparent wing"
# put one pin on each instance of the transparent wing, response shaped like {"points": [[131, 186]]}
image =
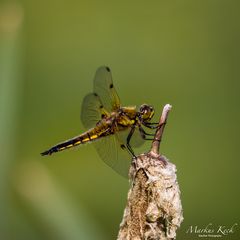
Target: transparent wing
{"points": [[113, 152], [95, 106], [92, 110], [103, 86], [136, 139]]}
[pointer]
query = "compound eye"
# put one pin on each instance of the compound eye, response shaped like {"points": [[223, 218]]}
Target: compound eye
{"points": [[145, 112], [142, 110]]}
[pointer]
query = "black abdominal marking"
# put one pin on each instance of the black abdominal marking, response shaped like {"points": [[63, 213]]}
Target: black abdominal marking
{"points": [[89, 137]]}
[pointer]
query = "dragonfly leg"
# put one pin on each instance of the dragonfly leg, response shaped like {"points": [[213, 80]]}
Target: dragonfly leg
{"points": [[152, 125], [144, 134], [128, 141]]}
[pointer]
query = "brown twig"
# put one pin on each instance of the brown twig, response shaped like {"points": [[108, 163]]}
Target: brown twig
{"points": [[154, 209], [158, 135]]}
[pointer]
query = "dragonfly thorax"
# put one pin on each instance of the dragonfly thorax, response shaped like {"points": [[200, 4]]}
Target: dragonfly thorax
{"points": [[126, 116]]}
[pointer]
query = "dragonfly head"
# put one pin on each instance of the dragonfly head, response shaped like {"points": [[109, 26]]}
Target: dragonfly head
{"points": [[146, 112]]}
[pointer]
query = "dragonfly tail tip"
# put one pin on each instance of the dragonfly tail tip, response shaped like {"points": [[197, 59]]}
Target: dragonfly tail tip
{"points": [[46, 153]]}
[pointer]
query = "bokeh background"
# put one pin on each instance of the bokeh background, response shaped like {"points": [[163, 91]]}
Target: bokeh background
{"points": [[185, 53]]}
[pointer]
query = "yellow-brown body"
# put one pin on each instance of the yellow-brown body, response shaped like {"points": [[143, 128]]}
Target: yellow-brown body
{"points": [[117, 121]]}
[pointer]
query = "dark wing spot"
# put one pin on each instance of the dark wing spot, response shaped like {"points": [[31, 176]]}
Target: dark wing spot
{"points": [[122, 146], [101, 106], [95, 94], [108, 69], [103, 115], [111, 85]]}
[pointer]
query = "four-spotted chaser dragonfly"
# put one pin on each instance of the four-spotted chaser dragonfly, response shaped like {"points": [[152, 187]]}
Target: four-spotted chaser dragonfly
{"points": [[112, 127]]}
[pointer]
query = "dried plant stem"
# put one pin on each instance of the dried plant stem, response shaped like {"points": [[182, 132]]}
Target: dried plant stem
{"points": [[154, 209], [162, 122]]}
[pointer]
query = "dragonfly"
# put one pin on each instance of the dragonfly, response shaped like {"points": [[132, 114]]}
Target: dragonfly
{"points": [[114, 129]]}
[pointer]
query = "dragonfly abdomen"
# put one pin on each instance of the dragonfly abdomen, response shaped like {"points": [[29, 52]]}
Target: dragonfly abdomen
{"points": [[86, 137]]}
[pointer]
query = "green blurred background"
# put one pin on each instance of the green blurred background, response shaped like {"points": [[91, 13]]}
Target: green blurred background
{"points": [[185, 53]]}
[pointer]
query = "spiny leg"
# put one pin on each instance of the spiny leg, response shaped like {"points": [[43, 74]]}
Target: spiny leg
{"points": [[128, 141], [152, 125], [144, 134]]}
